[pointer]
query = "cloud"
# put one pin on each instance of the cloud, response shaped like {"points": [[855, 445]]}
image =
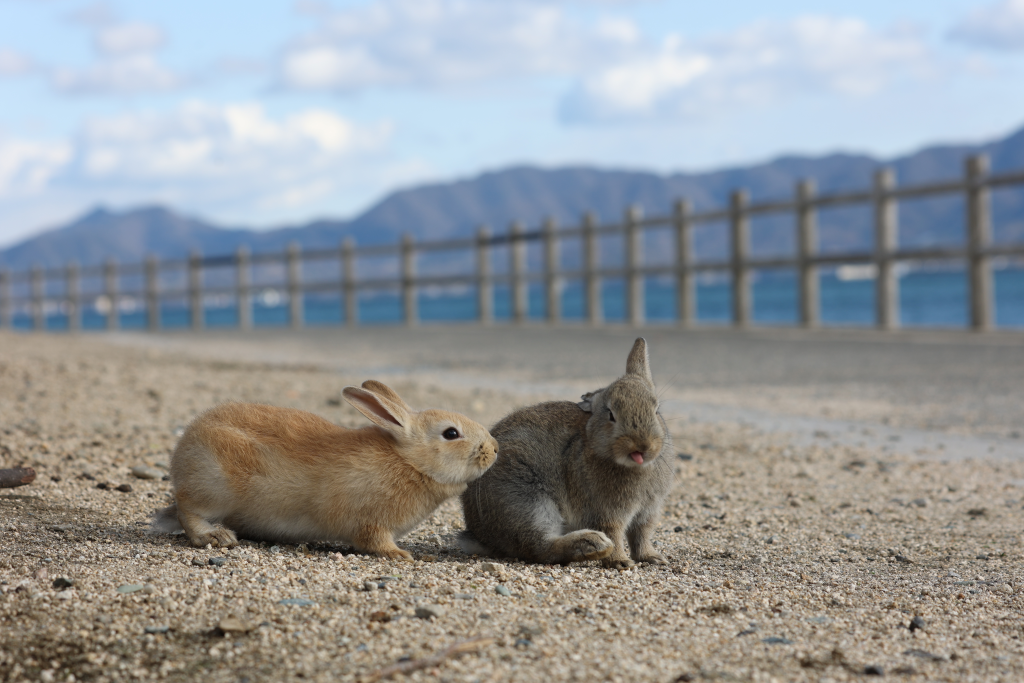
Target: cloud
{"points": [[446, 42], [754, 66], [28, 166], [14, 63], [999, 26], [129, 73], [130, 38]]}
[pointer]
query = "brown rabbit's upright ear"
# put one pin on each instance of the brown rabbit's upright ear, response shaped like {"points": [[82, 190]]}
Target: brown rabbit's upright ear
{"points": [[378, 409], [384, 391], [638, 363]]}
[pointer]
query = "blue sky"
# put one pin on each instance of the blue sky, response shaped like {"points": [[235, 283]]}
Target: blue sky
{"points": [[270, 113]]}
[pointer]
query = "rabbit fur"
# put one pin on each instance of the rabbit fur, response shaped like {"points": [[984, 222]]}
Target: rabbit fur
{"points": [[286, 475], [576, 480]]}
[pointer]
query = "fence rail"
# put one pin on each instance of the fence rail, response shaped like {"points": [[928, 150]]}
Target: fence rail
{"points": [[884, 197]]}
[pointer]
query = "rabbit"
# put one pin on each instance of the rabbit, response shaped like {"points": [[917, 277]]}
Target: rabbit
{"points": [[287, 475], [575, 480]]}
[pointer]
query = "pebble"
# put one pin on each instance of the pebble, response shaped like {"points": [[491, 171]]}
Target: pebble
{"points": [[874, 670], [66, 594], [149, 589], [62, 582], [430, 611], [916, 624], [300, 602], [775, 640], [157, 629], [490, 567], [125, 488], [130, 588], [147, 472], [369, 586], [199, 562], [218, 561], [501, 590]]}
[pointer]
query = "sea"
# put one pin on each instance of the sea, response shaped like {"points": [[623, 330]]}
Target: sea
{"points": [[927, 299]]}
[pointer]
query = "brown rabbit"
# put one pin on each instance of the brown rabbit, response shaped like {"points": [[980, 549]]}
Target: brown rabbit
{"points": [[287, 475], [575, 480]]}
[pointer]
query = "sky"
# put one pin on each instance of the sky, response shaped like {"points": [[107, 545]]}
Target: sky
{"points": [[270, 113]]}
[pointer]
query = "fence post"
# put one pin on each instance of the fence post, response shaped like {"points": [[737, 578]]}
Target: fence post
{"points": [[243, 288], [38, 285], [591, 264], [887, 292], [111, 291], [409, 307], [552, 279], [72, 296], [740, 228], [807, 244], [979, 236], [635, 312], [6, 313], [520, 287], [686, 299], [195, 289], [348, 281], [152, 293], [485, 282], [294, 265]]}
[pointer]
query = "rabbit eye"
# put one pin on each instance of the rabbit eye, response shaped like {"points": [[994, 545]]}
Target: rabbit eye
{"points": [[611, 416], [450, 433]]}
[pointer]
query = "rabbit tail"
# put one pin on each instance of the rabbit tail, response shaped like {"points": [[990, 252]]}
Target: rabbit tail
{"points": [[165, 521], [469, 545]]}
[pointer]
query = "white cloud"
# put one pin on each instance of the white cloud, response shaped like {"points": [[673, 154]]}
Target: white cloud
{"points": [[998, 26], [14, 63], [753, 66], [28, 166], [129, 38], [129, 73], [445, 42]]}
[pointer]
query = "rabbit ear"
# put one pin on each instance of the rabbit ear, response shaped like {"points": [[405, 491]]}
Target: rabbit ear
{"points": [[384, 391], [637, 363], [587, 401], [378, 410]]}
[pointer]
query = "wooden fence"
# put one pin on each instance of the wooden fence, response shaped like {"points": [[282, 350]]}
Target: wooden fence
{"points": [[975, 186]]}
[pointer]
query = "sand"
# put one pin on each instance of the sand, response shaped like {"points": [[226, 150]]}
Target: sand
{"points": [[805, 543]]}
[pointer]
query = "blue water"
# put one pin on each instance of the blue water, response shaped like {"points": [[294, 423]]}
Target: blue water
{"points": [[927, 299]]}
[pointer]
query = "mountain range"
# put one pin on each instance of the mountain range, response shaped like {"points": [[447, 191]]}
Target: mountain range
{"points": [[530, 194]]}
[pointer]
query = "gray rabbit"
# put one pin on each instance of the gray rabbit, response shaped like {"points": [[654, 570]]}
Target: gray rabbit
{"points": [[574, 481]]}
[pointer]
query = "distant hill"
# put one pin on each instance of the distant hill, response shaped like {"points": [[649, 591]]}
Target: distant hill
{"points": [[530, 194]]}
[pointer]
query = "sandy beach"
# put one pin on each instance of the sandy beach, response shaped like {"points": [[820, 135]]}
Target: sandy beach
{"points": [[846, 504]]}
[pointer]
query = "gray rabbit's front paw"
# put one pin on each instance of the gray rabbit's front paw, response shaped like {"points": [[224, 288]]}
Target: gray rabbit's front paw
{"points": [[620, 563]]}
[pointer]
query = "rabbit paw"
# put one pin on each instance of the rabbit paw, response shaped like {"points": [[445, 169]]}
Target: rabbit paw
{"points": [[653, 557], [396, 554], [218, 537], [617, 563]]}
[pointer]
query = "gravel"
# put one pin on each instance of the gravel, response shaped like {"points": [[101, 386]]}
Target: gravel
{"points": [[831, 597]]}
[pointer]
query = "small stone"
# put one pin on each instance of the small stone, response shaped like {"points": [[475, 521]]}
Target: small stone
{"points": [[904, 559], [369, 586], [491, 568], [678, 529], [873, 670], [66, 594], [275, 548], [233, 624], [157, 629], [198, 562], [218, 561], [41, 574], [920, 502], [300, 602], [149, 589], [523, 642], [977, 512], [531, 629], [147, 472], [430, 611], [775, 640], [162, 464], [380, 616], [103, 486], [916, 624], [125, 488], [1005, 588], [684, 456], [61, 582], [130, 588], [464, 596], [501, 590]]}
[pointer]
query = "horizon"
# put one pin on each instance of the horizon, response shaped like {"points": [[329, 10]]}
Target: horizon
{"points": [[319, 111]]}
